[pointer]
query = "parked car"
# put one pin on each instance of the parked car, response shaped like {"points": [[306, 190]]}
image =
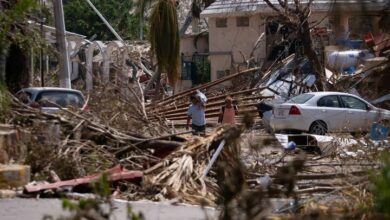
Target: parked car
{"points": [[49, 98], [322, 112]]}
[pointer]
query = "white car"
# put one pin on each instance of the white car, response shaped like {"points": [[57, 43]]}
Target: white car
{"points": [[322, 112]]}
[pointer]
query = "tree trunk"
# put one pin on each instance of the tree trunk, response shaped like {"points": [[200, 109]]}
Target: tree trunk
{"points": [[141, 27], [186, 24], [149, 85], [158, 84], [304, 34]]}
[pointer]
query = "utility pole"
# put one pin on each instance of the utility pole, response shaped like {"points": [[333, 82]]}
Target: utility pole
{"points": [[42, 63], [64, 74]]}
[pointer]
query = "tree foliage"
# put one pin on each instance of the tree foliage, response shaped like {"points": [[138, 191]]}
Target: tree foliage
{"points": [[382, 187], [81, 19], [14, 29], [13, 22], [164, 37]]}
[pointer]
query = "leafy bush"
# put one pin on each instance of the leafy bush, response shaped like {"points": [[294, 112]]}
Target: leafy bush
{"points": [[5, 101], [382, 187]]}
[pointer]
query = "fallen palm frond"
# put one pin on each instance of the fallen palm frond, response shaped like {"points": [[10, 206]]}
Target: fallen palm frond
{"points": [[181, 174]]}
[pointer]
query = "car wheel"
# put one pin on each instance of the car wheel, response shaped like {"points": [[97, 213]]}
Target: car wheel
{"points": [[318, 128]]}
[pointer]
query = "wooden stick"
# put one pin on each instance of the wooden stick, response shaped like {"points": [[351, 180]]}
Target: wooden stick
{"points": [[213, 115], [184, 113], [204, 86], [218, 98], [184, 107]]}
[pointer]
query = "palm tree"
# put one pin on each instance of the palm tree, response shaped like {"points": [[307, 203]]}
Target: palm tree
{"points": [[165, 35], [165, 40]]}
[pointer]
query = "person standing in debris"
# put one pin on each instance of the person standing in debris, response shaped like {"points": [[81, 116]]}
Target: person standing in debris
{"points": [[196, 113], [228, 112]]}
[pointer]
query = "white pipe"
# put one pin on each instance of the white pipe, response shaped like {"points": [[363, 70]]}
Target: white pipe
{"points": [[214, 158], [105, 21]]}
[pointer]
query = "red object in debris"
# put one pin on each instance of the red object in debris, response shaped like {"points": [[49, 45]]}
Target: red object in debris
{"points": [[114, 174], [369, 39], [320, 30], [144, 78]]}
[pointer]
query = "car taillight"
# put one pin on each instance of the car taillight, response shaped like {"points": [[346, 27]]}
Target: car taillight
{"points": [[294, 110]]}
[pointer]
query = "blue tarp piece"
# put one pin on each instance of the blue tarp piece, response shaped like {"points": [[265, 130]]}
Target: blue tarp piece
{"points": [[378, 132]]}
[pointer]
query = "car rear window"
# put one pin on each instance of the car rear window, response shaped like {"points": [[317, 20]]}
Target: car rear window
{"points": [[300, 99], [61, 98]]}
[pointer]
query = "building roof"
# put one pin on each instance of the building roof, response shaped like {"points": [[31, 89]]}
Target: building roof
{"points": [[223, 8]]}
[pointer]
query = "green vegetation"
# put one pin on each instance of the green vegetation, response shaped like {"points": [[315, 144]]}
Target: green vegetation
{"points": [[382, 187], [81, 19], [14, 29], [5, 101], [204, 70]]}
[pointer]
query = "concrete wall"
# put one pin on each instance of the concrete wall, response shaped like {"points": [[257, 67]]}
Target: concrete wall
{"points": [[227, 43], [187, 45]]}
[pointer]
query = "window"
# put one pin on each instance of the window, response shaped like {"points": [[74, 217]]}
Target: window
{"points": [[329, 101], [221, 22], [354, 103], [242, 21], [300, 99], [61, 98]]}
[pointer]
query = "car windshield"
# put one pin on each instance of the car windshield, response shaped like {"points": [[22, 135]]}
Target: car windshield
{"points": [[61, 98], [300, 99]]}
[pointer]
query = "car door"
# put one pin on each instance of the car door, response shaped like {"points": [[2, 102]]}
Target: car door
{"points": [[331, 111], [357, 113]]}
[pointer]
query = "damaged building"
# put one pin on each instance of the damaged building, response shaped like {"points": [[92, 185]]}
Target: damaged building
{"points": [[235, 30]]}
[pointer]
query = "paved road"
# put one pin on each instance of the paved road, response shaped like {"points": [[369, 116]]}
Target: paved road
{"points": [[36, 209]]}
